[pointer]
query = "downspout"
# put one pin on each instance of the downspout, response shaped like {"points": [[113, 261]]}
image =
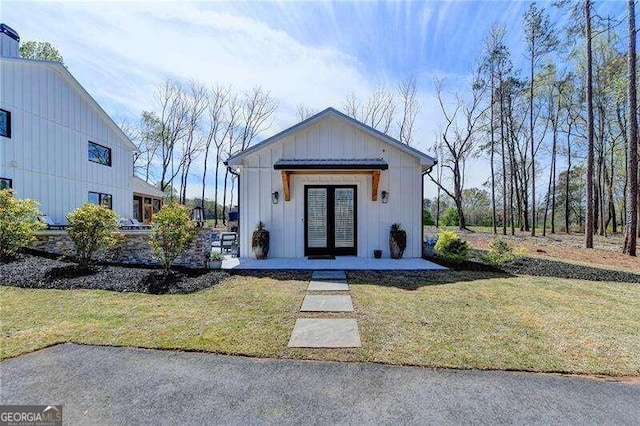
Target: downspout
{"points": [[426, 172], [233, 172]]}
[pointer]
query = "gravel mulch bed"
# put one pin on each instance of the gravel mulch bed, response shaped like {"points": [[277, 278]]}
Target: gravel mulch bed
{"points": [[28, 271], [544, 268]]}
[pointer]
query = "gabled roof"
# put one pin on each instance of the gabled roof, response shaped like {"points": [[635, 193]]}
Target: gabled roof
{"points": [[424, 159], [145, 188], [64, 72]]}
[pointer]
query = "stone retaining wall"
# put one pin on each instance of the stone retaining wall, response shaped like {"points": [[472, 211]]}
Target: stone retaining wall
{"points": [[135, 248]]}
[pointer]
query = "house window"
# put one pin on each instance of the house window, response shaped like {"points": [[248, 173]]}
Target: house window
{"points": [[99, 154], [5, 123], [156, 206], [100, 199], [6, 183]]}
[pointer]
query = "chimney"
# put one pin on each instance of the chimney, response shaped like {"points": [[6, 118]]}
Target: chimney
{"points": [[9, 42]]}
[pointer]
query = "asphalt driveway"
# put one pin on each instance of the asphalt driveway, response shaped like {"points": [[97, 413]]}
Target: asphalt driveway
{"points": [[137, 386]]}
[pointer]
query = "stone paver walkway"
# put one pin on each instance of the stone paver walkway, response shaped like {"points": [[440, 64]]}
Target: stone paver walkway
{"points": [[326, 303], [328, 286], [326, 332]]}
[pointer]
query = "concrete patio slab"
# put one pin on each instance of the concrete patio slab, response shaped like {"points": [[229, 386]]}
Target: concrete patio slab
{"points": [[327, 303], [346, 263], [333, 285], [325, 333], [329, 275]]}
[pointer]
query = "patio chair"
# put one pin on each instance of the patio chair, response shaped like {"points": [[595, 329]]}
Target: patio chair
{"points": [[137, 225], [229, 242], [215, 240], [51, 225], [126, 224]]}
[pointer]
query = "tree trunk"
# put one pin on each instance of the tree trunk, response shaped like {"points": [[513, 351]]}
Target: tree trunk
{"points": [[567, 200], [493, 145], [633, 200], [533, 162], [553, 189], [504, 166], [588, 230]]}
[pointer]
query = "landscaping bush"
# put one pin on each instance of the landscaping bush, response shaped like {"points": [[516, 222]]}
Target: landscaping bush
{"points": [[450, 217], [500, 251], [18, 222], [427, 219], [171, 233], [451, 246], [91, 228]]}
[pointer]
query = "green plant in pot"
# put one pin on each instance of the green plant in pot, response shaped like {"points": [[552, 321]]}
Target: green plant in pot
{"points": [[215, 260], [260, 241], [397, 241]]}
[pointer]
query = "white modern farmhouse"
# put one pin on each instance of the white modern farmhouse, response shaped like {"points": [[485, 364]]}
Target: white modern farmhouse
{"points": [[58, 146], [330, 185]]}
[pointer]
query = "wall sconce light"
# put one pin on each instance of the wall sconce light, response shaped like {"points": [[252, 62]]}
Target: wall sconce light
{"points": [[385, 197], [274, 197]]}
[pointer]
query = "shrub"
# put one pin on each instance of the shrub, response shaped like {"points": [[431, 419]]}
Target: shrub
{"points": [[450, 217], [500, 251], [451, 246], [171, 233], [427, 218], [18, 222], [91, 228]]}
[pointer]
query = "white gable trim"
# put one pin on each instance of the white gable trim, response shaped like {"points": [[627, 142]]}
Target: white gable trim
{"points": [[425, 160], [64, 73]]}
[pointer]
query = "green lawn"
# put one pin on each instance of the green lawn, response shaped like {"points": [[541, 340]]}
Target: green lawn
{"points": [[462, 320]]}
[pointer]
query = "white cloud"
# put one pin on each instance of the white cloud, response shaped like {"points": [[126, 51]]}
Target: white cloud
{"points": [[121, 51]]}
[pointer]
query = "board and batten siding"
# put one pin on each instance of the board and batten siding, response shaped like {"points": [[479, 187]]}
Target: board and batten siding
{"points": [[47, 154], [330, 139]]}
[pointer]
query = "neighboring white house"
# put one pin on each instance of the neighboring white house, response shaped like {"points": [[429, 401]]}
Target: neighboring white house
{"points": [[331, 185], [57, 145]]}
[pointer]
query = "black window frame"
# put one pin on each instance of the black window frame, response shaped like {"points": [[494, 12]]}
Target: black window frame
{"points": [[8, 115], [101, 199], [3, 179], [110, 159]]}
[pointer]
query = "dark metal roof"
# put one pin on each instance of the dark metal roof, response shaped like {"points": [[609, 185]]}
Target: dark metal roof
{"points": [[5, 29], [331, 164]]}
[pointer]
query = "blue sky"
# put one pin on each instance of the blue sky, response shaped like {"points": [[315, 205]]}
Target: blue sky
{"points": [[303, 52]]}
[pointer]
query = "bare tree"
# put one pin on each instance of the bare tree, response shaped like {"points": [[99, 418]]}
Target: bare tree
{"points": [[459, 138], [410, 105], [378, 111], [148, 142], [196, 101], [631, 230], [304, 111], [541, 39], [218, 128], [172, 121], [255, 116], [495, 63]]}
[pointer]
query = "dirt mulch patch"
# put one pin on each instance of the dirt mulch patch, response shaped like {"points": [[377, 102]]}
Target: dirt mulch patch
{"points": [[607, 252], [28, 271]]}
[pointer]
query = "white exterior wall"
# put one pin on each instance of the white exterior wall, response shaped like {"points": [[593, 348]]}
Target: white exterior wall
{"points": [[47, 154], [330, 138]]}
